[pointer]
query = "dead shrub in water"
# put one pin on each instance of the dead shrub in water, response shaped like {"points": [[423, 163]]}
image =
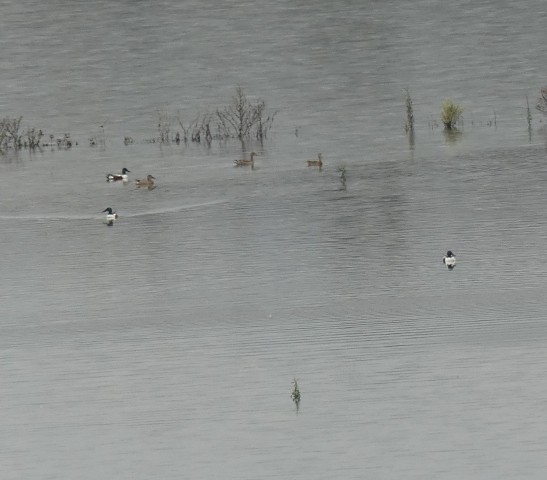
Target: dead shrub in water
{"points": [[99, 139], [541, 104], [295, 394], [33, 138], [198, 128], [12, 136], [242, 119], [409, 125], [9, 133], [62, 143], [164, 126], [342, 177]]}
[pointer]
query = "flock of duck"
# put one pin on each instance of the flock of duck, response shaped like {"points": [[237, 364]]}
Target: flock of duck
{"points": [[250, 162], [147, 182], [116, 177], [449, 259]]}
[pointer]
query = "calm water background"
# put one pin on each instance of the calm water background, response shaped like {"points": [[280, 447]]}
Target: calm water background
{"points": [[164, 347]]}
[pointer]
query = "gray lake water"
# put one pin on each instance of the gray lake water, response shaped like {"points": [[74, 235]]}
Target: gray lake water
{"points": [[165, 346]]}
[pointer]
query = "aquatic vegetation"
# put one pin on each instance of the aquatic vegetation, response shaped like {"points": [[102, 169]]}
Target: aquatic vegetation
{"points": [[342, 176], [316, 163], [242, 119], [9, 133], [529, 117], [493, 122], [295, 394], [450, 114], [99, 139], [541, 104], [409, 125], [33, 138], [198, 127], [12, 137], [64, 142], [164, 126]]}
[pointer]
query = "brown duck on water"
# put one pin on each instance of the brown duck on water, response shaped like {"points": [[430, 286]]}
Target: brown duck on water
{"points": [[147, 182], [246, 162]]}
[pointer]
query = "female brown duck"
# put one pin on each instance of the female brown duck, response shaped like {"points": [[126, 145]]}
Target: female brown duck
{"points": [[147, 182], [246, 162]]}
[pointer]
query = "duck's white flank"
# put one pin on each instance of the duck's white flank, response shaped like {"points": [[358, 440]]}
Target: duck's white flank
{"points": [[449, 259]]}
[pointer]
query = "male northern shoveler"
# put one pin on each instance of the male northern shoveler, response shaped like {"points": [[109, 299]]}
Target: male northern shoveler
{"points": [[114, 177], [147, 182], [110, 216], [449, 260], [316, 163], [246, 162]]}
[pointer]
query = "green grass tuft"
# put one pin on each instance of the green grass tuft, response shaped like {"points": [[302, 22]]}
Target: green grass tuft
{"points": [[450, 114]]}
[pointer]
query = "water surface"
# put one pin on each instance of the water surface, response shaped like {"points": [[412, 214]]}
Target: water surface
{"points": [[165, 346]]}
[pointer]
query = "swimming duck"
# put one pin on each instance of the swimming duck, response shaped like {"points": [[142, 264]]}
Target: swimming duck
{"points": [[316, 163], [110, 216], [114, 177], [245, 162], [146, 182], [449, 260]]}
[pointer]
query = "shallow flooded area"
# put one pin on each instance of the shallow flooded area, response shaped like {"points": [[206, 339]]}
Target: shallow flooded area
{"points": [[165, 345]]}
